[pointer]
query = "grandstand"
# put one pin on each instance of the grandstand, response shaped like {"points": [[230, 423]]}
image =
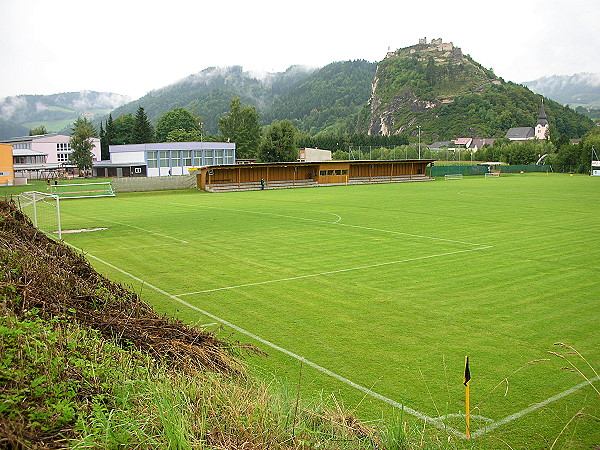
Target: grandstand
{"points": [[309, 174]]}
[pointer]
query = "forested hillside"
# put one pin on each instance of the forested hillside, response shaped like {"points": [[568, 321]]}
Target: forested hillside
{"points": [[327, 101], [208, 93], [314, 99], [9, 130], [497, 108], [19, 114]]}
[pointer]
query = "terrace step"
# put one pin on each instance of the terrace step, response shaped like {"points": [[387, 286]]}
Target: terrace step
{"points": [[256, 186], [286, 184], [388, 179]]}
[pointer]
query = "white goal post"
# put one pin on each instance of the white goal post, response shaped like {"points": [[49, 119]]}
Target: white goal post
{"points": [[492, 174], [83, 190], [43, 209], [453, 176]]}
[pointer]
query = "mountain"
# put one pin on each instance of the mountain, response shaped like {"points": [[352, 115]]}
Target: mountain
{"points": [[581, 89], [208, 93], [56, 112], [314, 99], [9, 130], [429, 88], [329, 100], [445, 94]]}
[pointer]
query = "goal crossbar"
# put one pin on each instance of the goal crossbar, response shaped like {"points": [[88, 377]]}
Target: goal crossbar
{"points": [[37, 204], [83, 190], [453, 176]]}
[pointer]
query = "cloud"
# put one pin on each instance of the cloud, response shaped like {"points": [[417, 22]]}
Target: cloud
{"points": [[10, 106], [593, 79], [39, 106], [559, 83], [95, 100]]}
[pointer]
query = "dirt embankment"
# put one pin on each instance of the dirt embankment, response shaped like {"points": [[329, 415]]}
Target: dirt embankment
{"points": [[56, 280]]}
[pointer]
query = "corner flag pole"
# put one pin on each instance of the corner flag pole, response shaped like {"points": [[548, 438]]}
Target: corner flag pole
{"points": [[467, 400]]}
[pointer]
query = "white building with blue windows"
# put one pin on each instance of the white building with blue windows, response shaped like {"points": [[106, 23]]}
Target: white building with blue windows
{"points": [[163, 159]]}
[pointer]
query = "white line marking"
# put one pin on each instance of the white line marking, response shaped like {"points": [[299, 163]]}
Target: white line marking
{"points": [[84, 230], [363, 389], [437, 422], [142, 229], [508, 419], [473, 416], [431, 420], [337, 215], [332, 223], [412, 235], [208, 325], [331, 272], [141, 247]]}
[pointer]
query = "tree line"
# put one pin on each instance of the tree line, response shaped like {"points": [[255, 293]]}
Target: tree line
{"points": [[242, 125], [280, 140], [557, 151]]}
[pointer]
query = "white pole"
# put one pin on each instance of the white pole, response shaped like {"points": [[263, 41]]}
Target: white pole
{"points": [[58, 218], [34, 210]]}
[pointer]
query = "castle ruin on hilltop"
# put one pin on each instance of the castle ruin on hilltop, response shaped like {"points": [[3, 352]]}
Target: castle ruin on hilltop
{"points": [[436, 45]]}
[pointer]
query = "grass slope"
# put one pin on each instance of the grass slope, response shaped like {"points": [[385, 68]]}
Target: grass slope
{"points": [[85, 364], [388, 286]]}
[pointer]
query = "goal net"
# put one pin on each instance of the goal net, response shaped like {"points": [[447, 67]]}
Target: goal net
{"points": [[453, 176], [44, 211], [83, 190], [492, 174]]}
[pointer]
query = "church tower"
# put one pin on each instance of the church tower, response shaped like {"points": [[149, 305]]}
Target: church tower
{"points": [[542, 123]]}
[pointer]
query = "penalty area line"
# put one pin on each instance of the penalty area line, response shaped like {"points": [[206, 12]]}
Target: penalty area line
{"points": [[331, 272], [166, 236], [337, 222], [437, 422], [413, 412]]}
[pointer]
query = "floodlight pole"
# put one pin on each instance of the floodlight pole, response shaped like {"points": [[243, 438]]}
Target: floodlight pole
{"points": [[419, 128], [202, 154]]}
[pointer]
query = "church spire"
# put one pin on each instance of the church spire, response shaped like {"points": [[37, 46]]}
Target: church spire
{"points": [[542, 118]]}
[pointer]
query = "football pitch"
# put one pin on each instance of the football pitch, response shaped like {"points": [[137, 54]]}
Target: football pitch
{"points": [[376, 293]]}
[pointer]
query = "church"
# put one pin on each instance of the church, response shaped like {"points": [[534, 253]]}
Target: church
{"points": [[527, 133]]}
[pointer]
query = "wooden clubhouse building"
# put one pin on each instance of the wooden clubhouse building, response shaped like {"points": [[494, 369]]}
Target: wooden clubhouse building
{"points": [[238, 177]]}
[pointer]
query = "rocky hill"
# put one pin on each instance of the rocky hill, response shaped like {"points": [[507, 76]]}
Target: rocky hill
{"points": [[438, 88]]}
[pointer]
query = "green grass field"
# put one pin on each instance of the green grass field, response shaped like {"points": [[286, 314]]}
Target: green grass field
{"points": [[383, 290]]}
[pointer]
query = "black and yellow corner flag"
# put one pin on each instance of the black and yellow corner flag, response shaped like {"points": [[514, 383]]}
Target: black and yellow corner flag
{"points": [[467, 371], [467, 398]]}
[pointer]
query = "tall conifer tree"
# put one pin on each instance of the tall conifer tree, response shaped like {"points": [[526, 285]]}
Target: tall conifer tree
{"points": [[106, 139], [242, 126], [142, 132], [82, 144]]}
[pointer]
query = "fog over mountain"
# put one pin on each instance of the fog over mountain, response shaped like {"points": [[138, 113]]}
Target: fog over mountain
{"points": [[37, 107], [20, 113], [580, 89]]}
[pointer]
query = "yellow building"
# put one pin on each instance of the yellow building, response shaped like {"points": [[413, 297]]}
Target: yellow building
{"points": [[7, 172]]}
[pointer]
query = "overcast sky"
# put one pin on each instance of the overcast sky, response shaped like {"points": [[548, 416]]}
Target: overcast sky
{"points": [[130, 47]]}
